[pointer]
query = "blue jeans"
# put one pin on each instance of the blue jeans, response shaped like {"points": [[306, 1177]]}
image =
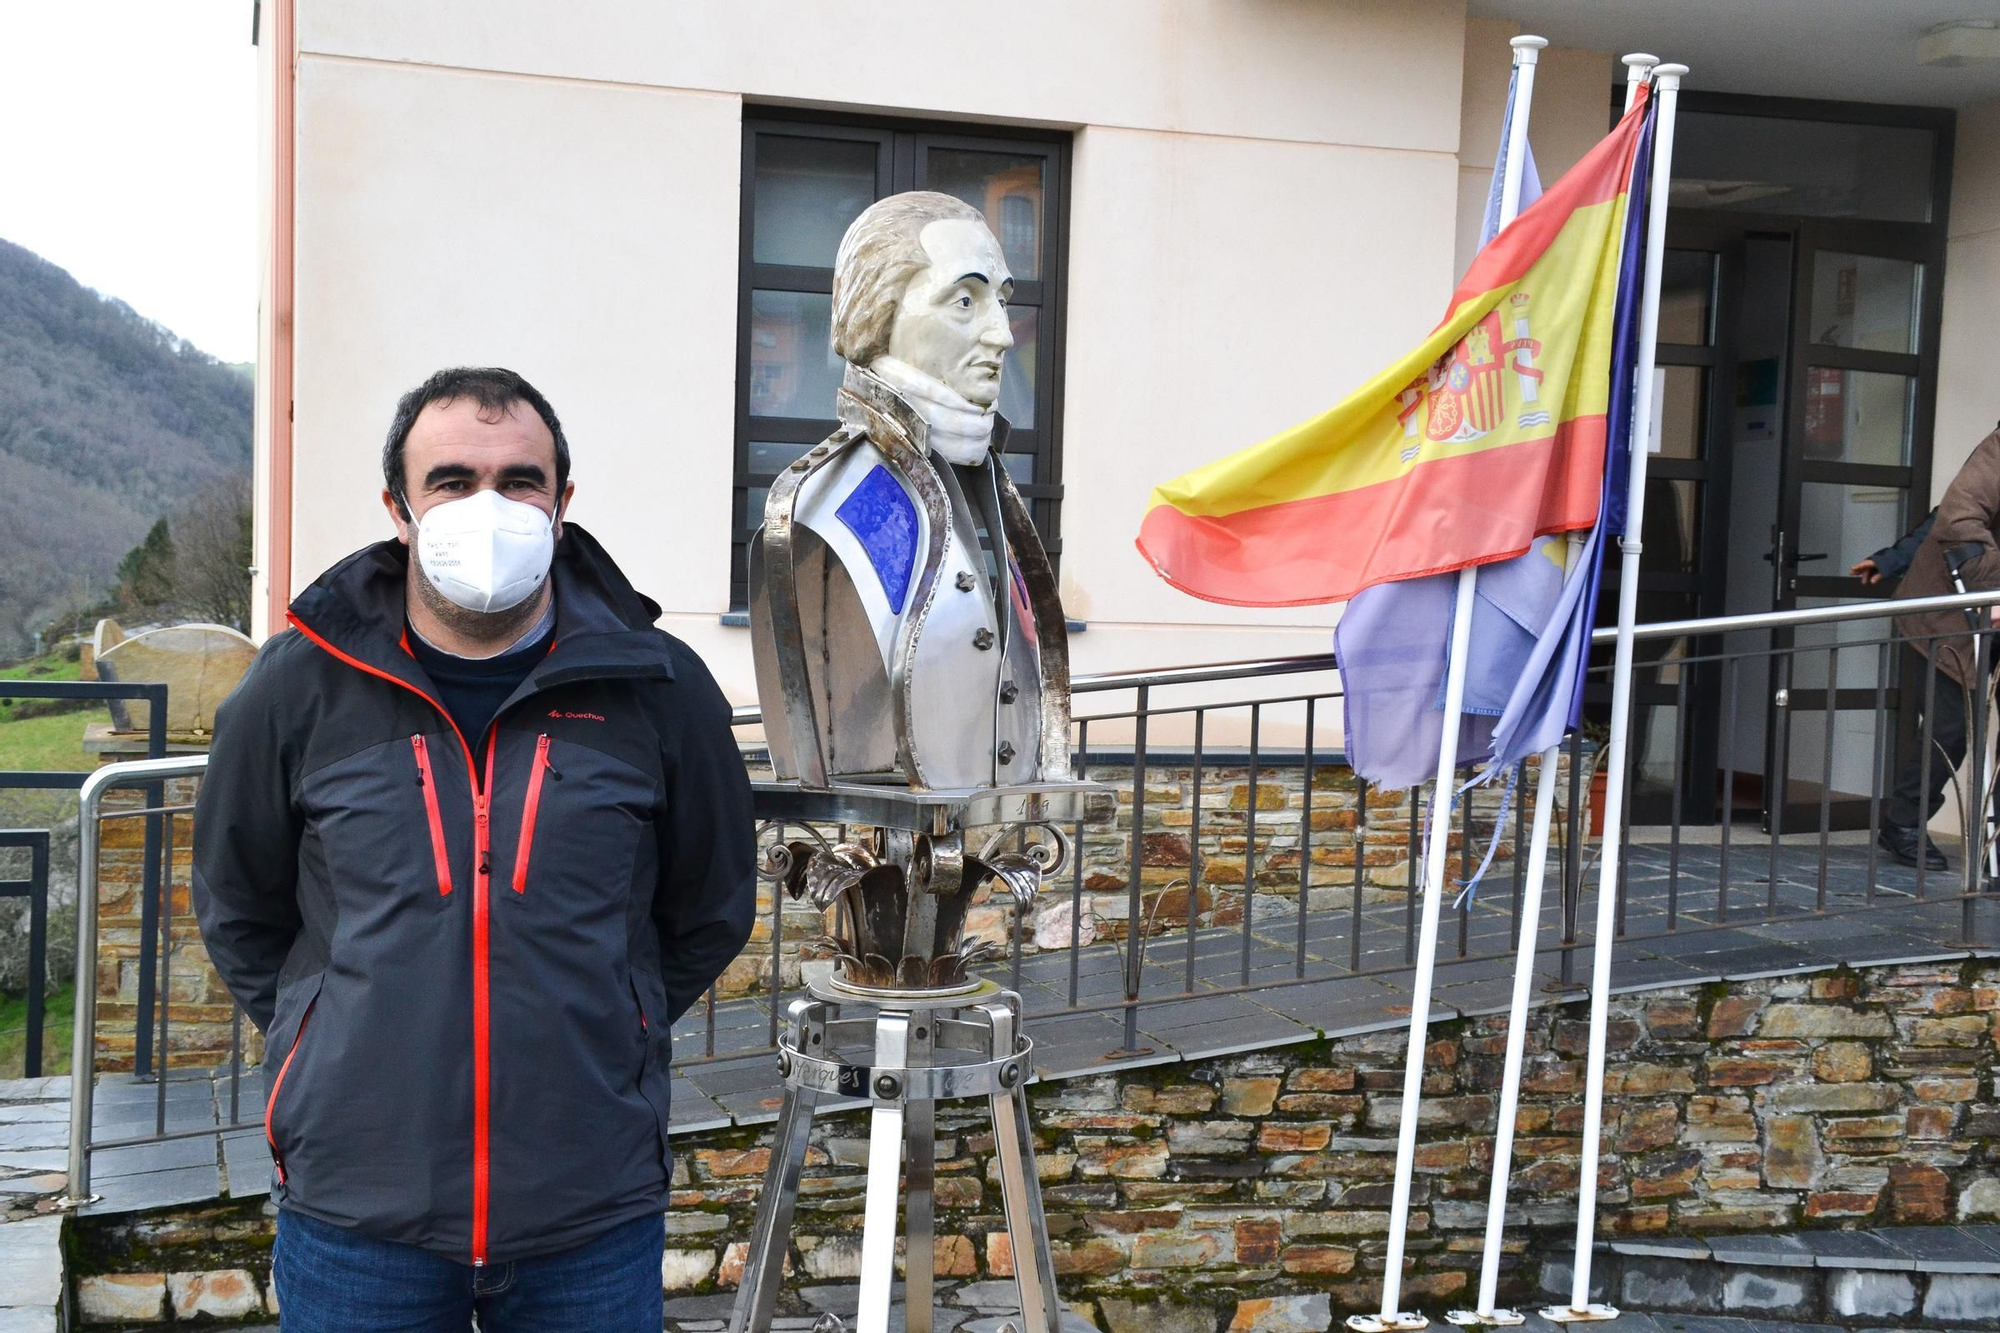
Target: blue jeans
{"points": [[330, 1280]]}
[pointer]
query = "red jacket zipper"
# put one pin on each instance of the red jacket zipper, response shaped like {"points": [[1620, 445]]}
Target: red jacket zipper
{"points": [[439, 853], [482, 1067], [271, 1102], [528, 809], [481, 1024]]}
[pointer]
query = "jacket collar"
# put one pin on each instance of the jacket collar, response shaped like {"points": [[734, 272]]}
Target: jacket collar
{"points": [[604, 626]]}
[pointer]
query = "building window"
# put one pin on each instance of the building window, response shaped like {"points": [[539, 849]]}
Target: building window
{"points": [[804, 181]]}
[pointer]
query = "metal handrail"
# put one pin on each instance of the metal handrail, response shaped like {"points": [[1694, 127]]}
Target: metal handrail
{"points": [[1818, 615], [1257, 668], [83, 1041], [152, 771]]}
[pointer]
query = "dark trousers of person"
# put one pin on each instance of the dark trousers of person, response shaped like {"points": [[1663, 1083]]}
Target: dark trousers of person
{"points": [[1948, 736]]}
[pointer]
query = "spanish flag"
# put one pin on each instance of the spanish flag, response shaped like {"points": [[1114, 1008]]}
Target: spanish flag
{"points": [[1487, 435]]}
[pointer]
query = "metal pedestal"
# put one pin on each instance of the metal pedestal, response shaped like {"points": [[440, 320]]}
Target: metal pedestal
{"points": [[909, 1052]]}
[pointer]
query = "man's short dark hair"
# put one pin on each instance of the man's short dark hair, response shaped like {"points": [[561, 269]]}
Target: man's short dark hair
{"points": [[495, 389]]}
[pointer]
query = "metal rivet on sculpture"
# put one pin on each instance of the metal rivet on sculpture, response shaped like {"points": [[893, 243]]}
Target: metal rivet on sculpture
{"points": [[904, 617]]}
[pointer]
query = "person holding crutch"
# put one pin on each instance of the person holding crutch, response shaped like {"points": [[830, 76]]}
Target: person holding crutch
{"points": [[1960, 553]]}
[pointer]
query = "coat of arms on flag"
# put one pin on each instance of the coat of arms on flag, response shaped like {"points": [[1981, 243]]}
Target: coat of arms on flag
{"points": [[1465, 391]]}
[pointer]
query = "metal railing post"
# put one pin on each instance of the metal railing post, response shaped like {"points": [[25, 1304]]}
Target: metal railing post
{"points": [[83, 1041], [35, 888], [1135, 941], [1980, 802]]}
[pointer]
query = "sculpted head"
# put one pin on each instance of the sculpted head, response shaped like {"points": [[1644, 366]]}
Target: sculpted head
{"points": [[920, 278]]}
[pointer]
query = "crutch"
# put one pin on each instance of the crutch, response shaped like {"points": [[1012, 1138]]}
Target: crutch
{"points": [[1955, 560]]}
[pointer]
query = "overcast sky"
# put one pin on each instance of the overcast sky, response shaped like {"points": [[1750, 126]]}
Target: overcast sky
{"points": [[128, 155]]}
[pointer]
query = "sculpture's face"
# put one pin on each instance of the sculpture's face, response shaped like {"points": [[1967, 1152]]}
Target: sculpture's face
{"points": [[952, 321]]}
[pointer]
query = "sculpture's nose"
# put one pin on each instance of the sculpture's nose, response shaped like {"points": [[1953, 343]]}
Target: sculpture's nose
{"points": [[998, 333]]}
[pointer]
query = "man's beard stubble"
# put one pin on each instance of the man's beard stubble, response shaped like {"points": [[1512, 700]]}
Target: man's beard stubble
{"points": [[500, 628]]}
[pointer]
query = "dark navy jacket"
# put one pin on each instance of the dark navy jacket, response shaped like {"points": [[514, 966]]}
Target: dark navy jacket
{"points": [[465, 952]]}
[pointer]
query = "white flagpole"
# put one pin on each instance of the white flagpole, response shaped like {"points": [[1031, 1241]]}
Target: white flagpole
{"points": [[1666, 87], [1526, 51], [1636, 67]]}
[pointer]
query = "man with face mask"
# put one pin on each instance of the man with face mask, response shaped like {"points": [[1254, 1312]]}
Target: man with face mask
{"points": [[471, 839]]}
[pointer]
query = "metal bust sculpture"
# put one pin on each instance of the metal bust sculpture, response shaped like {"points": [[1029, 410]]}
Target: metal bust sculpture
{"points": [[902, 606], [915, 686], [908, 638]]}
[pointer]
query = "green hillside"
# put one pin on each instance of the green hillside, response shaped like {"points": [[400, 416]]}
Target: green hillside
{"points": [[107, 422]]}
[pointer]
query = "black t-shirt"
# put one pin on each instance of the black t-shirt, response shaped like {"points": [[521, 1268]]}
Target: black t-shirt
{"points": [[473, 688]]}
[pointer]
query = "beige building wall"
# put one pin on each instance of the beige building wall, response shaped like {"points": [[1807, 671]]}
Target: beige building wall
{"points": [[1264, 202], [1968, 401]]}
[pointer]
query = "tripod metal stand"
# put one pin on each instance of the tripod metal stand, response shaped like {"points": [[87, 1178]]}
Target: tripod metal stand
{"points": [[905, 1056]]}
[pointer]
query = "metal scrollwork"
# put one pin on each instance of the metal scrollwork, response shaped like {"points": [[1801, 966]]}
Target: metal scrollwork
{"points": [[1050, 850], [1023, 872], [779, 860]]}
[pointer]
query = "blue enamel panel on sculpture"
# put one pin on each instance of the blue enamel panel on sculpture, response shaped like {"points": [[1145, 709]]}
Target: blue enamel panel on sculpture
{"points": [[880, 515]]}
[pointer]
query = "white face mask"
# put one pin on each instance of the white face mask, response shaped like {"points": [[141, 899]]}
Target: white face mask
{"points": [[485, 552]]}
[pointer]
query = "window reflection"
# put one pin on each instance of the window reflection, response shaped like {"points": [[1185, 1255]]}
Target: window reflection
{"points": [[1687, 296], [1684, 411], [769, 458], [1766, 164], [793, 370], [1846, 523], [1865, 301], [1017, 376], [1005, 187], [1859, 416], [807, 191]]}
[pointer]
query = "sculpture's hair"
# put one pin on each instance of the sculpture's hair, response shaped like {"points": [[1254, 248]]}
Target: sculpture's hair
{"points": [[880, 251]]}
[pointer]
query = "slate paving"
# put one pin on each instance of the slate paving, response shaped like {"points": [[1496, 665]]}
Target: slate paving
{"points": [[1755, 927], [1924, 1274], [34, 1126], [961, 1307]]}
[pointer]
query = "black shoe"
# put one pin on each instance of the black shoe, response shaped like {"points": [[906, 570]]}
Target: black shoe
{"points": [[1904, 844]]}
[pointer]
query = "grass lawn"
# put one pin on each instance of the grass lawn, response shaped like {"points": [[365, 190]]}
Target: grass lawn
{"points": [[56, 1024], [46, 744], [51, 667], [43, 744]]}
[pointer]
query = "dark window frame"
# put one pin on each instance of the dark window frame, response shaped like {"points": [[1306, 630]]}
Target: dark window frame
{"points": [[903, 146]]}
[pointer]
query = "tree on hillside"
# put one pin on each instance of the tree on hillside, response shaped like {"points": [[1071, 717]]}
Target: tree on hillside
{"points": [[146, 574], [211, 542]]}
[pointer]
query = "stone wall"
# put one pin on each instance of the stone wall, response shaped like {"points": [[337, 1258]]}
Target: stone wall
{"points": [[198, 1019], [1840, 1099], [200, 1263], [1244, 1191]]}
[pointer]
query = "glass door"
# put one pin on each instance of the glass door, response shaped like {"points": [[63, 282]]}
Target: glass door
{"points": [[1685, 525], [1854, 477]]}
